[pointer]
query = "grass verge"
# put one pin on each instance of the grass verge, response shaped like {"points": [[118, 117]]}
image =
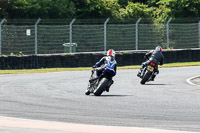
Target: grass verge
{"points": [[46, 70], [196, 80]]}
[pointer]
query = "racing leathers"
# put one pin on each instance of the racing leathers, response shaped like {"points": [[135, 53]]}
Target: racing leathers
{"points": [[109, 63], [155, 56]]}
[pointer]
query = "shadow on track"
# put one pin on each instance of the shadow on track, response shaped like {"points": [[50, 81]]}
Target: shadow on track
{"points": [[154, 84], [115, 95]]}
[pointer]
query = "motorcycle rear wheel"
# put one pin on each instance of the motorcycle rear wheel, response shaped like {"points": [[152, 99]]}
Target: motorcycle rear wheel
{"points": [[145, 78], [101, 87]]}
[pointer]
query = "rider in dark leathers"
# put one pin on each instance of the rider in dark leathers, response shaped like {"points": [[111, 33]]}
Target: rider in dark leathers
{"points": [[157, 57]]}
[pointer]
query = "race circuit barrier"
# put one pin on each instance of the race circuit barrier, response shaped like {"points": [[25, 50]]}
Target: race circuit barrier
{"points": [[123, 58]]}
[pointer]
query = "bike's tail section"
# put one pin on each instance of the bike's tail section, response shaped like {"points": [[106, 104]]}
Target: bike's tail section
{"points": [[147, 72]]}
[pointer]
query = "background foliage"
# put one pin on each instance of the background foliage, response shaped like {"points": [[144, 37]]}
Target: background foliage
{"points": [[158, 10]]}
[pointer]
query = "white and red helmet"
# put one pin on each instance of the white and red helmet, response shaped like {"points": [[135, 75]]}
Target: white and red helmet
{"points": [[158, 48], [111, 52]]}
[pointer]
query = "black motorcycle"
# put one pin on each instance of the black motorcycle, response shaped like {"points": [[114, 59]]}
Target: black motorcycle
{"points": [[148, 72], [98, 84]]}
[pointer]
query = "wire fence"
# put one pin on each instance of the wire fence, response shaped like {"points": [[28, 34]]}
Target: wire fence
{"points": [[70, 36]]}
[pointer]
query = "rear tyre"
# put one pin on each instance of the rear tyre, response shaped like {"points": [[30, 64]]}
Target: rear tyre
{"points": [[101, 87], [145, 78]]}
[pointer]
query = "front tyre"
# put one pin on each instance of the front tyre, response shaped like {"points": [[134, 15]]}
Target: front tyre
{"points": [[145, 78], [101, 87]]}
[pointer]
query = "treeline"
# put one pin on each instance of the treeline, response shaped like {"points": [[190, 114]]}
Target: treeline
{"points": [[158, 10]]}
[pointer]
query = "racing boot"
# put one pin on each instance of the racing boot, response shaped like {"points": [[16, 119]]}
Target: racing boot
{"points": [[88, 90], [153, 76], [140, 71]]}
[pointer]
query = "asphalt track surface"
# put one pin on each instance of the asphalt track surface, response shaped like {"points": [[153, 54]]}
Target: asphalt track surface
{"points": [[167, 103]]}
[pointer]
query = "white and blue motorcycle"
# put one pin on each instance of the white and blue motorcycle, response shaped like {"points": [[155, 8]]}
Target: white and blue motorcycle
{"points": [[98, 84]]}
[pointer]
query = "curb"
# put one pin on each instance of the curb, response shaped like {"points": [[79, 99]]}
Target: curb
{"points": [[9, 124], [191, 83]]}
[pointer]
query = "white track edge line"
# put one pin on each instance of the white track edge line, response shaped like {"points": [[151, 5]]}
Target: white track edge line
{"points": [[189, 80]]}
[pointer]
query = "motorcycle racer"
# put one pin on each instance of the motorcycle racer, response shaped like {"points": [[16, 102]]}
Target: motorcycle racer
{"points": [[157, 57], [106, 63]]}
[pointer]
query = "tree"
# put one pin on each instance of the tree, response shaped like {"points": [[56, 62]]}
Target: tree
{"points": [[182, 8], [5, 8], [158, 9], [37, 8], [136, 10], [97, 8], [62, 9]]}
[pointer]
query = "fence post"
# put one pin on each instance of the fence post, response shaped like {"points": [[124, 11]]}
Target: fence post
{"points": [[105, 33], [36, 42], [168, 32], [70, 34], [136, 34], [199, 34], [2, 21]]}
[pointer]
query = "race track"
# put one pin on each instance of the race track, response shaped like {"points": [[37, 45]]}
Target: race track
{"points": [[167, 103]]}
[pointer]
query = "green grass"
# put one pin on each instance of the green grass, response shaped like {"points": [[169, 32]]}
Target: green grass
{"points": [[43, 70], [46, 70], [185, 64], [197, 80]]}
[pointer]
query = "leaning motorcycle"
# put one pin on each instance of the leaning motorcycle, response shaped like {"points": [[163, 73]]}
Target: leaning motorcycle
{"points": [[98, 84], [148, 72]]}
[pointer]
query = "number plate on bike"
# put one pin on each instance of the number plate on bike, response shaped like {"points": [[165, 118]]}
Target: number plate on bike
{"points": [[150, 68]]}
